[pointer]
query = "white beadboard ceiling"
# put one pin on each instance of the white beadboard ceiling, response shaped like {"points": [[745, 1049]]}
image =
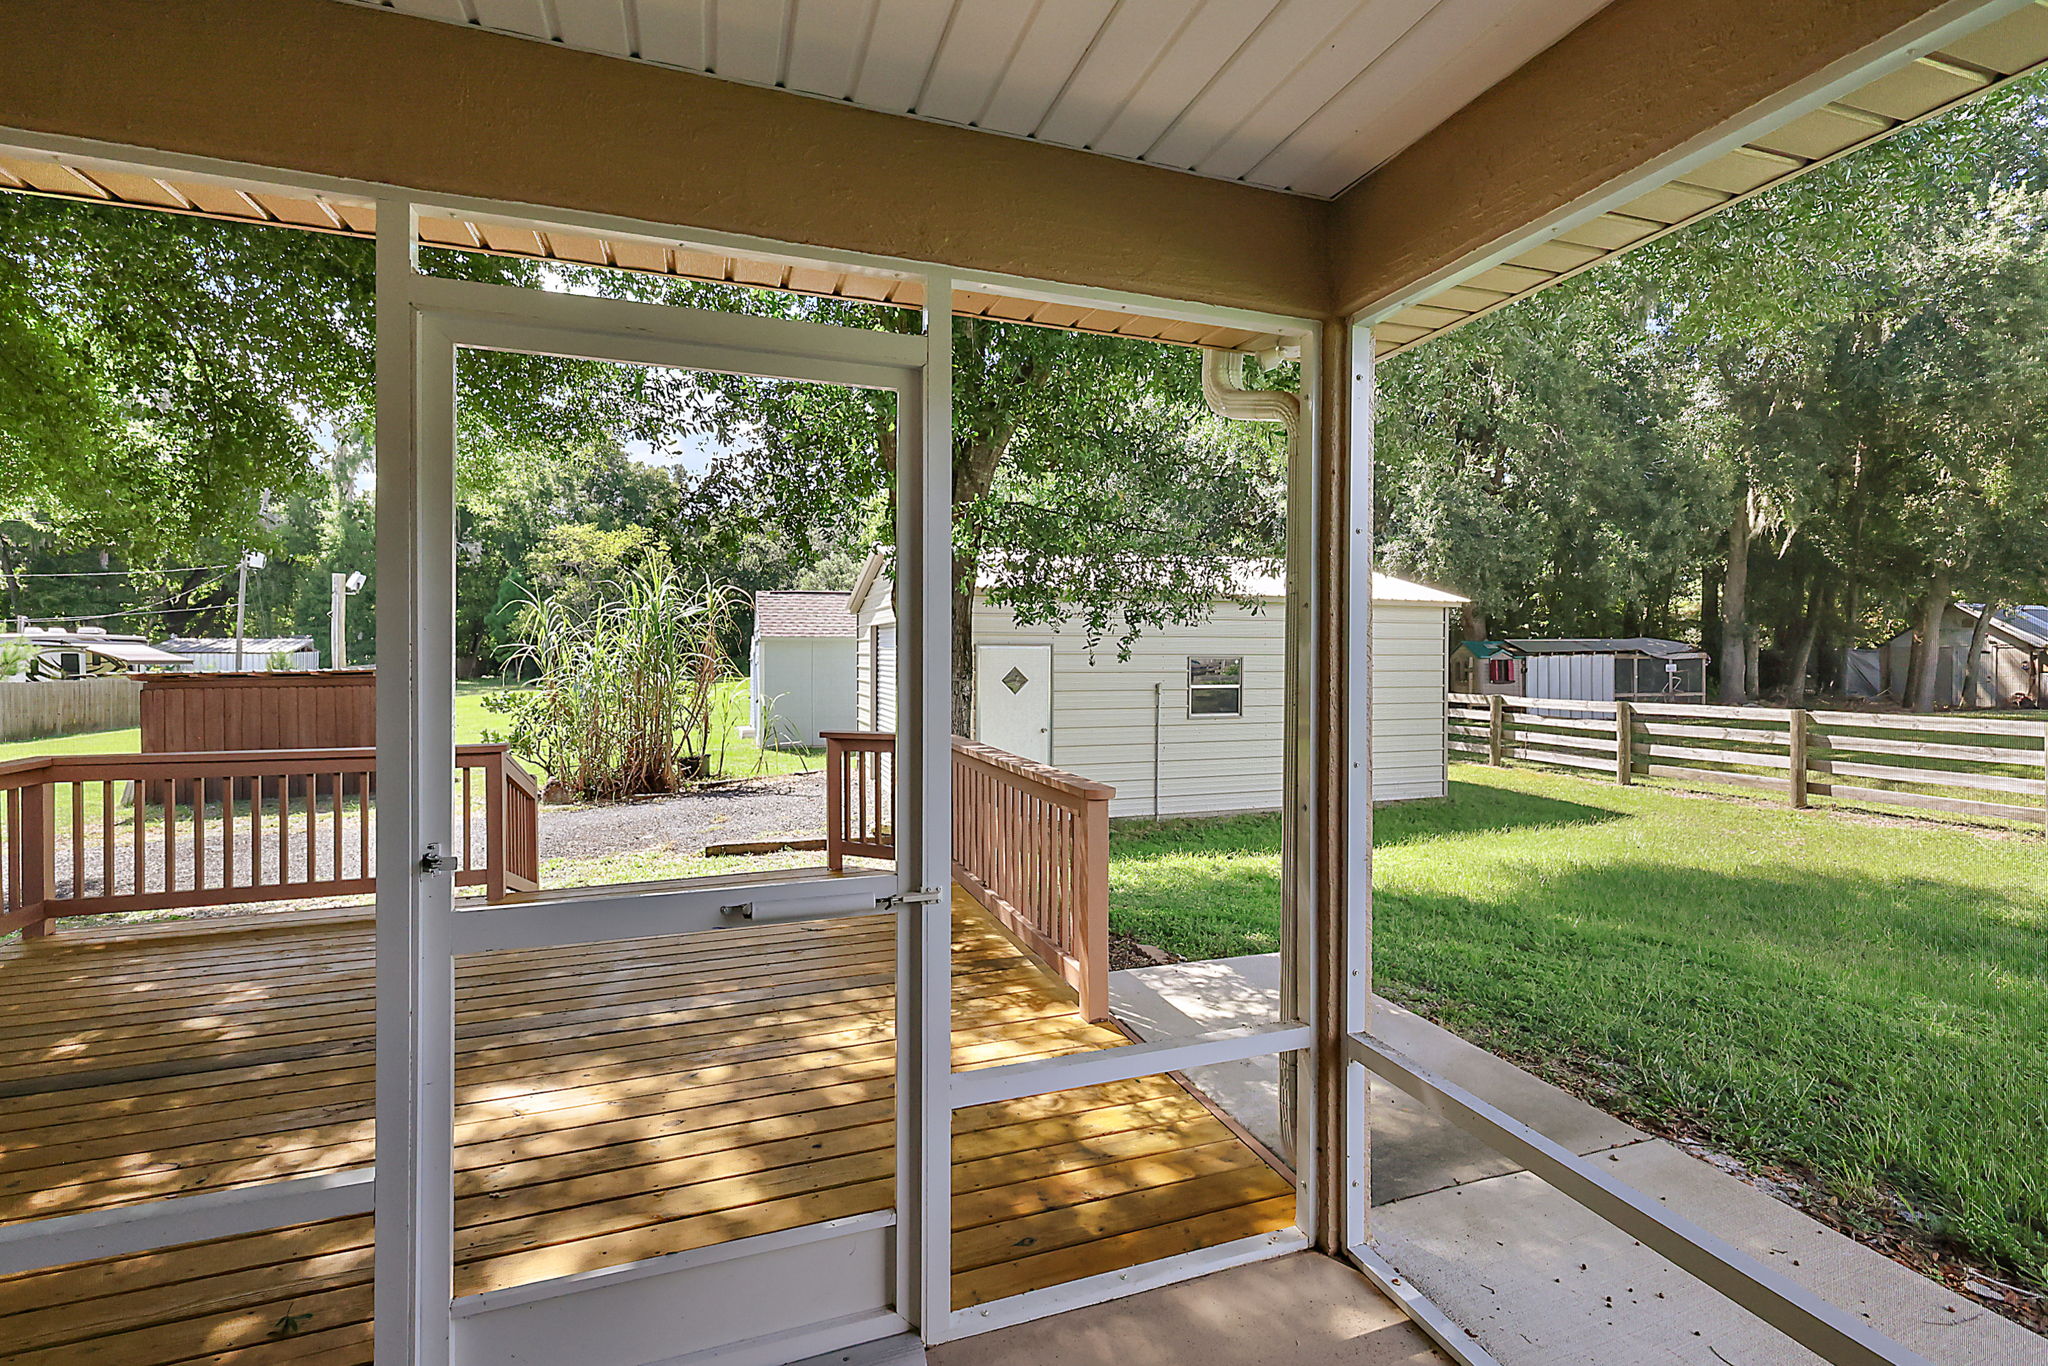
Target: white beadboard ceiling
{"points": [[1298, 95]]}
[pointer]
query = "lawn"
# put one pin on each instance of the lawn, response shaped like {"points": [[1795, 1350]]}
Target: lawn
{"points": [[1863, 1002], [475, 719]]}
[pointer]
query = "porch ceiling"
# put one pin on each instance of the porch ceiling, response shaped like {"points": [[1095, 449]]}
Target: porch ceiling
{"points": [[1304, 96], [106, 183]]}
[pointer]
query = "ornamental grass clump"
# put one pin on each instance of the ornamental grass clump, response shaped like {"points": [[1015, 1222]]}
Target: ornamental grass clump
{"points": [[624, 705]]}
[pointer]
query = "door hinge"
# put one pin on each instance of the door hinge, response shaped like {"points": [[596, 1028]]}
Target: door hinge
{"points": [[923, 896], [438, 860]]}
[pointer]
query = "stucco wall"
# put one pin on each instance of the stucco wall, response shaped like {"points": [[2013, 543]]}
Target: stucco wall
{"points": [[310, 85], [1635, 83]]}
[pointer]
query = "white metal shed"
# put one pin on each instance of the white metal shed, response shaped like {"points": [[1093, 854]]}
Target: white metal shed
{"points": [[1191, 723], [801, 667]]}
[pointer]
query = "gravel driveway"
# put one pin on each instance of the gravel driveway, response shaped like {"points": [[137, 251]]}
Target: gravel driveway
{"points": [[760, 808]]}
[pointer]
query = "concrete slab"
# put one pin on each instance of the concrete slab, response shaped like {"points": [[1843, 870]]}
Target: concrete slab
{"points": [[1300, 1310], [1533, 1275], [1537, 1279], [1414, 1150], [1182, 1000]]}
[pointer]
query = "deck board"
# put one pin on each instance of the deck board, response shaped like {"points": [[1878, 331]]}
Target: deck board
{"points": [[614, 1102]]}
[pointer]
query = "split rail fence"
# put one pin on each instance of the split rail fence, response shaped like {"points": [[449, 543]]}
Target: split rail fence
{"points": [[1972, 766], [1030, 842]]}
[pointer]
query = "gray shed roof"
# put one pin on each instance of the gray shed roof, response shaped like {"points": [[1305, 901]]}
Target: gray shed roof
{"points": [[803, 614], [251, 645], [2030, 624], [1621, 645]]}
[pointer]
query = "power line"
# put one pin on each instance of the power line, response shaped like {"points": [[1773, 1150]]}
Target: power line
{"points": [[116, 573]]}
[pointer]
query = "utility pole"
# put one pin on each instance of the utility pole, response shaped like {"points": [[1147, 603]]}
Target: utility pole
{"points": [[340, 588], [251, 559]]}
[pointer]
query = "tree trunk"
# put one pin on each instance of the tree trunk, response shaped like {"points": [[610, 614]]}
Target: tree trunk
{"points": [[1475, 623], [1752, 679], [1932, 607], [1710, 604], [1980, 631], [1802, 653], [961, 603], [1734, 609]]}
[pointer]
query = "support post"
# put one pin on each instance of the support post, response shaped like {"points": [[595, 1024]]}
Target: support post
{"points": [[39, 856], [1494, 710], [923, 829], [1796, 728], [415, 1102], [1624, 743], [835, 802]]}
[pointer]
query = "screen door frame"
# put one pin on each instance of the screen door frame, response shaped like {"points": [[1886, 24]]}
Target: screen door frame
{"points": [[422, 323]]}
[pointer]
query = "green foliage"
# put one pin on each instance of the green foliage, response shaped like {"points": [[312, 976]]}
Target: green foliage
{"points": [[627, 690], [1866, 1003], [1833, 386]]}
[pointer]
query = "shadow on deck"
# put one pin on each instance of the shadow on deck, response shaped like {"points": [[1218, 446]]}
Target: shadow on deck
{"points": [[615, 1102]]}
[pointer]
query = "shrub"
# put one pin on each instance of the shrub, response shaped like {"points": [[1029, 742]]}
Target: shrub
{"points": [[624, 702]]}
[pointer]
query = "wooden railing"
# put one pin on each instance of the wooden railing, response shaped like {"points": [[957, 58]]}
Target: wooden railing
{"points": [[93, 834], [1964, 765], [1030, 842]]}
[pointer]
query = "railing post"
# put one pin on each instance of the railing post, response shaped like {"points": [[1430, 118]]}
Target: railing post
{"points": [[1493, 729], [2044, 775], [497, 812], [39, 856], [1796, 726], [1624, 743], [1092, 878], [835, 803]]}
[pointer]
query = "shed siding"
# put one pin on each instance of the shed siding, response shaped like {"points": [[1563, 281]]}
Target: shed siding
{"points": [[1103, 706], [803, 685]]}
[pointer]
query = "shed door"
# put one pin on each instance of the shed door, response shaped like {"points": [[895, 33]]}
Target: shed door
{"points": [[1013, 699], [884, 701]]}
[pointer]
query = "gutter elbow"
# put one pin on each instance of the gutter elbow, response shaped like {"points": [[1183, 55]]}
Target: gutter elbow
{"points": [[1223, 389]]}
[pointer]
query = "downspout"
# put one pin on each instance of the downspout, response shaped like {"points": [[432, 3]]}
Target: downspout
{"points": [[1223, 389], [1158, 692]]}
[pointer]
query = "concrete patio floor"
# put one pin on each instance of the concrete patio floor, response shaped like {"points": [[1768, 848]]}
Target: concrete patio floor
{"points": [[1533, 1276]]}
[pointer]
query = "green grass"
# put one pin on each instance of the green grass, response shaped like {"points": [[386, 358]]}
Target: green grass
{"points": [[1865, 1002], [474, 719]]}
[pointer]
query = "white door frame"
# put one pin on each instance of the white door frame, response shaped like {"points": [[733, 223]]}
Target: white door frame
{"points": [[422, 324], [415, 929]]}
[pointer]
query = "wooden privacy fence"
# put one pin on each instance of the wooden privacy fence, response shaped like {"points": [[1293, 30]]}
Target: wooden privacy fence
{"points": [[1030, 842], [95, 833], [1974, 766], [29, 711]]}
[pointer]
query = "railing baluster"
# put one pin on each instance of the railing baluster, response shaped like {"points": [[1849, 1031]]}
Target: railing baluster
{"points": [[77, 839], [284, 829]]}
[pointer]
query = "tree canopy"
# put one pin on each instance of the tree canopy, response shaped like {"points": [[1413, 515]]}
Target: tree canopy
{"points": [[1803, 424]]}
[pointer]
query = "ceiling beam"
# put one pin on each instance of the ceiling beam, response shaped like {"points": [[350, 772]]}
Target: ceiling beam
{"points": [[1629, 100], [314, 87]]}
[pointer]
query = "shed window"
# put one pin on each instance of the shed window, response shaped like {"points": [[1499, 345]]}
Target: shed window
{"points": [[1215, 685], [1500, 670]]}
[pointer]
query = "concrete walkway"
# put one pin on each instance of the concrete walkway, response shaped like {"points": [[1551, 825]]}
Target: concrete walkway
{"points": [[1299, 1310], [1533, 1276]]}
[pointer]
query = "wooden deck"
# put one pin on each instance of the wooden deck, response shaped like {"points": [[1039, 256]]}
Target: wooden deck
{"points": [[615, 1102]]}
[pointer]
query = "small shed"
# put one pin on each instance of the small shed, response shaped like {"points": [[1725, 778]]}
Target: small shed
{"points": [[217, 654], [2013, 667], [801, 667], [1615, 669], [1192, 722]]}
